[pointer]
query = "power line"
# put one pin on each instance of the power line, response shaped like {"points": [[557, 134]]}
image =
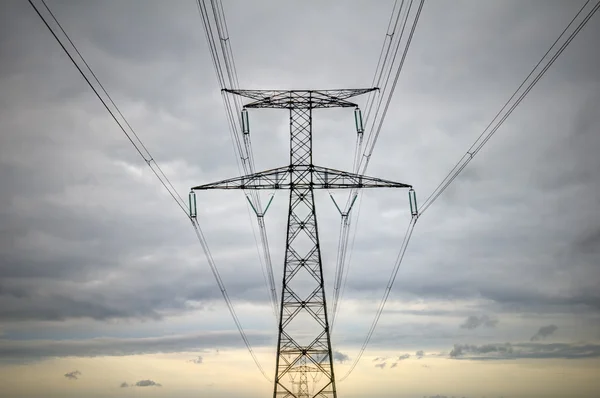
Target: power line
{"points": [[374, 132], [500, 118], [243, 150], [386, 294], [149, 160], [399, 19], [140, 148], [473, 150], [217, 276]]}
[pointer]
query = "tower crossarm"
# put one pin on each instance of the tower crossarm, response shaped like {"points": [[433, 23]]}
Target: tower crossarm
{"points": [[322, 178], [300, 99]]}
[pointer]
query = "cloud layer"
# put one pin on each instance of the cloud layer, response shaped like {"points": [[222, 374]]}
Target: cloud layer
{"points": [[544, 332], [35, 349], [474, 321]]}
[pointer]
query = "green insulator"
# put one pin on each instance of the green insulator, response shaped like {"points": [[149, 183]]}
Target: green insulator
{"points": [[245, 122], [358, 121], [412, 198], [192, 199]]}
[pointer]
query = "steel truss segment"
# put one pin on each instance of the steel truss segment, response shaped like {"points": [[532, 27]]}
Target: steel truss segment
{"points": [[322, 178], [304, 327], [300, 99]]}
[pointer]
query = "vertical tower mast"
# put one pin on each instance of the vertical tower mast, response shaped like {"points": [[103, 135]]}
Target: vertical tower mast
{"points": [[304, 344], [303, 291]]}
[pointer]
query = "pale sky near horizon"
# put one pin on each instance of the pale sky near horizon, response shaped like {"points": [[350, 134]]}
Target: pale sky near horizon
{"points": [[104, 291]]}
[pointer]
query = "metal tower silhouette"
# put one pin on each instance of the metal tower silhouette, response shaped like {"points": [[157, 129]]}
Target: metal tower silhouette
{"points": [[304, 345]]}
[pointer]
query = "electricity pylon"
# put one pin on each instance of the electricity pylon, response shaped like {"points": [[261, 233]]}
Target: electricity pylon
{"points": [[304, 344]]}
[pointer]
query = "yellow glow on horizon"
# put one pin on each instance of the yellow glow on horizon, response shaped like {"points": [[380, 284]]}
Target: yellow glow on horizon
{"points": [[232, 374]]}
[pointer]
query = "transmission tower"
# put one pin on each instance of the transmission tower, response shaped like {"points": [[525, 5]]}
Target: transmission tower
{"points": [[304, 344]]}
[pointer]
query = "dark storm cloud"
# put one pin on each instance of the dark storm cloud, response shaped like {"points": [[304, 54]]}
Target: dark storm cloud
{"points": [[74, 375], [544, 332], [40, 349]]}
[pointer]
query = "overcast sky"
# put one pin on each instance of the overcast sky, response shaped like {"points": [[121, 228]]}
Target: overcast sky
{"points": [[105, 292]]}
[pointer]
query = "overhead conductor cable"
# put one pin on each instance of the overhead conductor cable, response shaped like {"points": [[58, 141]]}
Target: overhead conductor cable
{"points": [[152, 164], [476, 147]]}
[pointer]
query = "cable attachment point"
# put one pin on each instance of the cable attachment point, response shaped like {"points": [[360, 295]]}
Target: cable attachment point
{"points": [[260, 215], [344, 214]]}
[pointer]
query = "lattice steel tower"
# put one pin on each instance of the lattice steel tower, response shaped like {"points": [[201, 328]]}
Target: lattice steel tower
{"points": [[304, 345]]}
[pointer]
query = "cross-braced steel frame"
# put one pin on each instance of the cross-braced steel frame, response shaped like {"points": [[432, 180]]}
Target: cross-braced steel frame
{"points": [[304, 344]]}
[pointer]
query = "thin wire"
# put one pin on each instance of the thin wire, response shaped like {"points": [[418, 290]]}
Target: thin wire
{"points": [[217, 276], [371, 147], [164, 181], [470, 156], [487, 132], [386, 294], [149, 157], [403, 14], [168, 186], [344, 222], [243, 152]]}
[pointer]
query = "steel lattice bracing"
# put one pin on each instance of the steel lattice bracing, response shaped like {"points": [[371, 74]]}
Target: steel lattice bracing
{"points": [[304, 363], [300, 99], [323, 178], [303, 326]]}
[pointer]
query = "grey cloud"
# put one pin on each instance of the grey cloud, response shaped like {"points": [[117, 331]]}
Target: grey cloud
{"points": [[340, 357], [588, 241], [441, 396], [457, 351], [403, 357], [35, 349], [199, 360], [381, 365], [394, 365], [558, 350], [380, 359], [124, 385], [544, 332], [147, 383], [474, 321], [517, 351], [461, 349], [420, 354], [74, 375]]}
